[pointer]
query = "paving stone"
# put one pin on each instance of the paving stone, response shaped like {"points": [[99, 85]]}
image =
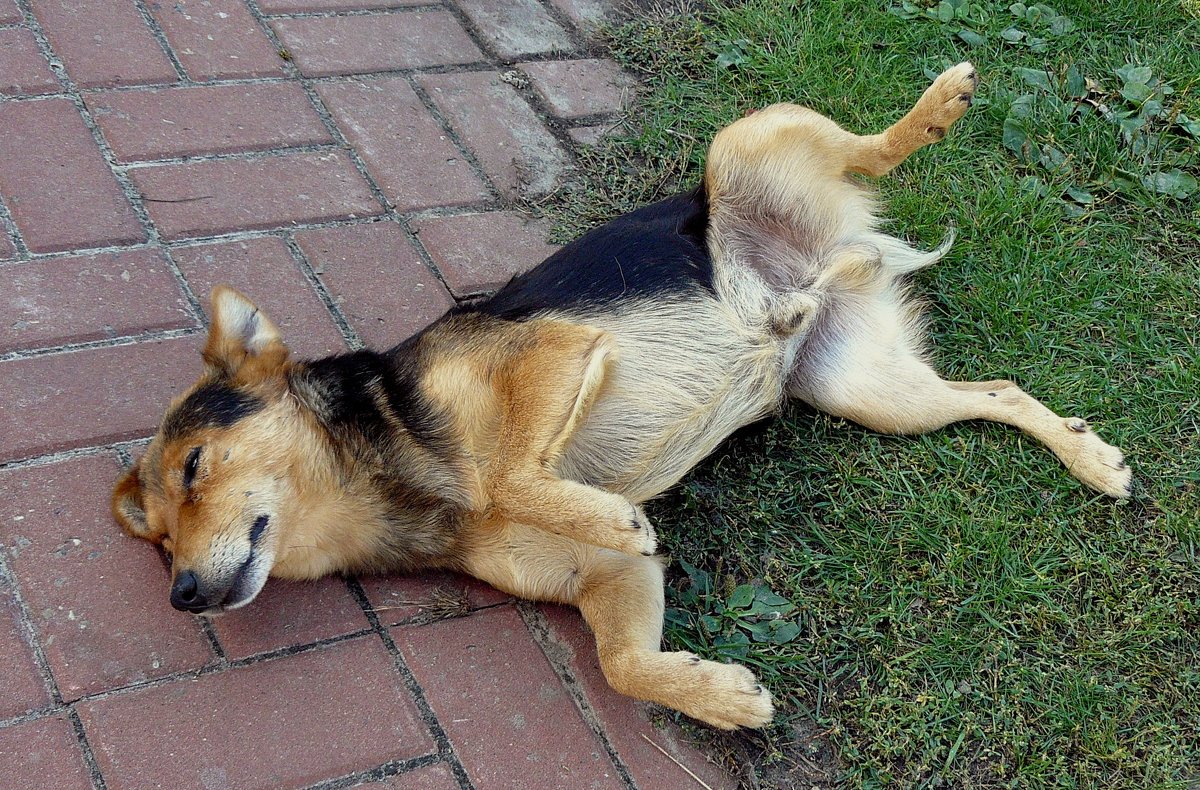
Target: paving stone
{"points": [[98, 599], [290, 613], [376, 278], [516, 150], [481, 252], [625, 720], [432, 777], [578, 88], [217, 39], [24, 690], [516, 28], [587, 14], [7, 249], [265, 271], [9, 13], [42, 753], [322, 46], [103, 42], [56, 183], [427, 596], [71, 300], [302, 6], [406, 150], [511, 721], [23, 70], [590, 135], [212, 119], [91, 397], [247, 194], [287, 722]]}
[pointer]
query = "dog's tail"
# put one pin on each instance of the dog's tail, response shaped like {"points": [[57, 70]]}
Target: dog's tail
{"points": [[854, 270]]}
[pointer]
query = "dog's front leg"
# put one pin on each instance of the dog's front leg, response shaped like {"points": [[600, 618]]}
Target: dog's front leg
{"points": [[621, 598], [545, 389]]}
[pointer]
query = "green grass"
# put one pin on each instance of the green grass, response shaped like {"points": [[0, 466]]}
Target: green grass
{"points": [[968, 614]]}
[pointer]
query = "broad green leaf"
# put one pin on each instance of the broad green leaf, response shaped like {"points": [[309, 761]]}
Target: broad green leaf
{"points": [[770, 598], [1138, 74], [1175, 183], [761, 631], [1022, 106], [784, 631], [710, 623], [1038, 78], [1136, 92], [741, 597], [1076, 84], [1017, 140], [1012, 35], [1060, 25], [944, 11], [1080, 195], [1188, 125], [971, 37], [1018, 9]]}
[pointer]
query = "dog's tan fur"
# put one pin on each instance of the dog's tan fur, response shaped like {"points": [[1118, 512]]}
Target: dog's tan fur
{"points": [[552, 431]]}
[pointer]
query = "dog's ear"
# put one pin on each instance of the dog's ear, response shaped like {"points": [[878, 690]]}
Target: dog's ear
{"points": [[128, 509], [243, 344]]}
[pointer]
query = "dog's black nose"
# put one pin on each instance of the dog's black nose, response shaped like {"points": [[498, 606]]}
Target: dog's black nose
{"points": [[186, 595]]}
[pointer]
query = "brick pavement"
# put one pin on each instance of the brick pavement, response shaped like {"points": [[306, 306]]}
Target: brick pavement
{"points": [[355, 166]]}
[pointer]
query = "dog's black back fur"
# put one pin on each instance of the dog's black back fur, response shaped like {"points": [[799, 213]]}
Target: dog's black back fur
{"points": [[656, 250]]}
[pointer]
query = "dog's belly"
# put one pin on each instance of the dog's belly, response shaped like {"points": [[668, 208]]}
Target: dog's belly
{"points": [[688, 374]]}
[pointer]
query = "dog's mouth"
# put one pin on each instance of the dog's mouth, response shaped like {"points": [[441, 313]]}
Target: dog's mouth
{"points": [[250, 576]]}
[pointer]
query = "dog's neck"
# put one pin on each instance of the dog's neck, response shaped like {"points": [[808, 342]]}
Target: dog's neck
{"points": [[387, 469]]}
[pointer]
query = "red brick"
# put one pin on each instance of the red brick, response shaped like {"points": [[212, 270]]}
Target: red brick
{"points": [[288, 613], [587, 14], [211, 119], [217, 38], [58, 186], [516, 28], [264, 270], [432, 777], [481, 252], [287, 722], [625, 721], [509, 718], [9, 13], [72, 300], [396, 598], [91, 397], [302, 6], [98, 599], [377, 279], [515, 149], [376, 42], [407, 151], [247, 194], [23, 70], [578, 88], [24, 690], [43, 753], [103, 42]]}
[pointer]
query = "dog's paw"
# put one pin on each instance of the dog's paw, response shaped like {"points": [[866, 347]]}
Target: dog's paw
{"points": [[725, 696], [646, 541], [947, 99], [1096, 463]]}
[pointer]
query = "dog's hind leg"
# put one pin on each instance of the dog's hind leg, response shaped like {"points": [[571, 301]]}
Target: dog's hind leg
{"points": [[621, 598], [892, 391], [782, 146]]}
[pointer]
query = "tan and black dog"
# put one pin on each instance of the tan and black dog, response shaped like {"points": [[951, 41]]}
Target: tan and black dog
{"points": [[513, 440]]}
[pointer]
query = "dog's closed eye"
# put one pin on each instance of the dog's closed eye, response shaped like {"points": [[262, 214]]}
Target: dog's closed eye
{"points": [[190, 466]]}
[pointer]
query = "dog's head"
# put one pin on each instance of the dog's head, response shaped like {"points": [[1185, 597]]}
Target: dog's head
{"points": [[215, 486]]}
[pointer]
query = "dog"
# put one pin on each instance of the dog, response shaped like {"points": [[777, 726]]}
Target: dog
{"points": [[515, 439]]}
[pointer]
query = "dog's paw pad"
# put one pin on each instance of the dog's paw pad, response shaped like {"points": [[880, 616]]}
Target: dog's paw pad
{"points": [[948, 98]]}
